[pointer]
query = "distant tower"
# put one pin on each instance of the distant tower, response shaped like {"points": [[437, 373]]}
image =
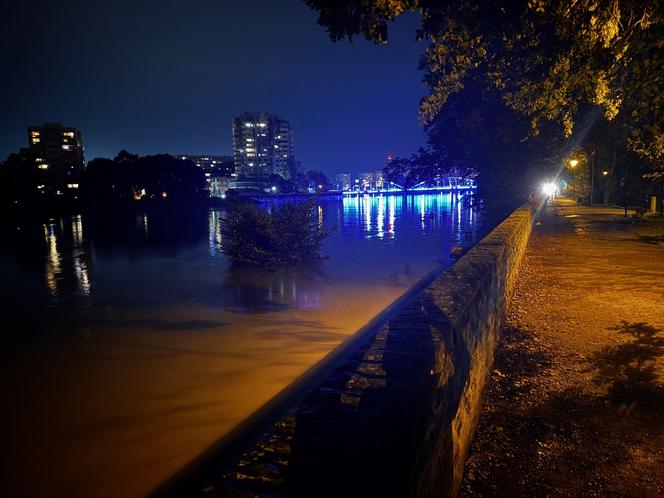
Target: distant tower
{"points": [[262, 146], [59, 152]]}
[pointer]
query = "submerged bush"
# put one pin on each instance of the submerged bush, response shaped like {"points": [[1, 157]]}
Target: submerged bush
{"points": [[287, 236]]}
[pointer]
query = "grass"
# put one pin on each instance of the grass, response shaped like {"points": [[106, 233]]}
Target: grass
{"points": [[651, 229]]}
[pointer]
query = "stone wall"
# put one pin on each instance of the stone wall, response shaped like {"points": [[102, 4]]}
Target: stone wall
{"points": [[397, 417]]}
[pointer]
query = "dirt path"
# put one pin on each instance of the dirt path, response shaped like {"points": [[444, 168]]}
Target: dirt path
{"points": [[575, 404]]}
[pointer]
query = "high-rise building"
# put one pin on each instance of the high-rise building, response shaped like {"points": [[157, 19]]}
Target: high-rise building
{"points": [[262, 146], [59, 153], [342, 181]]}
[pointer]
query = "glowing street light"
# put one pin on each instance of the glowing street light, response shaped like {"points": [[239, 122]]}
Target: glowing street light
{"points": [[274, 188], [573, 162], [605, 173], [549, 189]]}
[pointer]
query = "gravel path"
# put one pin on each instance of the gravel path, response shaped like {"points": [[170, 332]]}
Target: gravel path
{"points": [[575, 404]]}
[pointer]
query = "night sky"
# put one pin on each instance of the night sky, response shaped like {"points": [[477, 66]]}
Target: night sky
{"points": [[169, 76]]}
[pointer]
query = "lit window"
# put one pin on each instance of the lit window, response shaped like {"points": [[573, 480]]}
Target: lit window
{"points": [[43, 166], [249, 125], [72, 185], [40, 187], [66, 147], [262, 125], [276, 146], [69, 134], [35, 140], [38, 159], [207, 173], [34, 133]]}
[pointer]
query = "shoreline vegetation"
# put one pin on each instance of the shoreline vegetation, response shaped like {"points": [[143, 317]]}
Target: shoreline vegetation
{"points": [[285, 236]]}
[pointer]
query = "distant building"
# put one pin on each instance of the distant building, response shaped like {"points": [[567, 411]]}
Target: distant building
{"points": [[343, 181], [219, 171], [371, 181], [215, 164], [262, 147], [59, 153]]}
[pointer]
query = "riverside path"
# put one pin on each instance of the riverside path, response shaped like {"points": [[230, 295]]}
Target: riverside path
{"points": [[575, 404]]}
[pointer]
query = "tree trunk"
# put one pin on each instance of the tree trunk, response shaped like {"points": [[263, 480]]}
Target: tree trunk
{"points": [[608, 178]]}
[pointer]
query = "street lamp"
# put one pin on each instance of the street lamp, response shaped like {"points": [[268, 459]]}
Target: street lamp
{"points": [[572, 164]]}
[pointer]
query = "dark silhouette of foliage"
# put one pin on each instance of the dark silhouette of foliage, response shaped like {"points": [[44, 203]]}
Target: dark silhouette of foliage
{"points": [[130, 177], [286, 236], [318, 178]]}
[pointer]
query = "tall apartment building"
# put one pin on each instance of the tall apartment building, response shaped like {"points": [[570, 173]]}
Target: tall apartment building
{"points": [[262, 146], [342, 181], [59, 153]]}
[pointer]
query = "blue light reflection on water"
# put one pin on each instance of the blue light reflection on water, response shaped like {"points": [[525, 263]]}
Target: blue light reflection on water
{"points": [[159, 260]]}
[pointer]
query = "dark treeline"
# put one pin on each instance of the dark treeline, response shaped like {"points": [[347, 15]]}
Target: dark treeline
{"points": [[127, 179]]}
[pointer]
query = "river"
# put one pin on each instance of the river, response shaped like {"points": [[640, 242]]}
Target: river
{"points": [[132, 345]]}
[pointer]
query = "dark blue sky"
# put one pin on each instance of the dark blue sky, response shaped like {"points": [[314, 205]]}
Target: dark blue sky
{"points": [[168, 77]]}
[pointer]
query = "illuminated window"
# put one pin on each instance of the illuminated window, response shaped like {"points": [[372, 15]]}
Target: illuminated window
{"points": [[43, 166], [249, 125], [69, 134], [66, 147], [72, 185], [40, 187], [35, 140], [262, 125], [34, 133]]}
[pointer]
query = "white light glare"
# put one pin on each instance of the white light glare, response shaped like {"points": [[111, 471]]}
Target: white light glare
{"points": [[549, 189]]}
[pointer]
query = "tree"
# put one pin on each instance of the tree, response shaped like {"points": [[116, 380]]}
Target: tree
{"points": [[550, 60], [287, 236], [319, 179], [20, 178], [130, 177]]}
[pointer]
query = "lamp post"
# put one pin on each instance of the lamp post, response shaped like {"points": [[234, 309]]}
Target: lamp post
{"points": [[572, 164]]}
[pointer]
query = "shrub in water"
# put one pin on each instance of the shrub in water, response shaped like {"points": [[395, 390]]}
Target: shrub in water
{"points": [[286, 236]]}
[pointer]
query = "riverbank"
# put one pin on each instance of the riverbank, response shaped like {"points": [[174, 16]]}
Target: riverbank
{"points": [[576, 395]]}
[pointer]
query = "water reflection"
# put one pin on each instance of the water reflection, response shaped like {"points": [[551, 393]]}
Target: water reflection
{"points": [[160, 256], [134, 343]]}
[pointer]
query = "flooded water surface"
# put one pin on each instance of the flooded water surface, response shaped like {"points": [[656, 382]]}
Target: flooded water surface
{"points": [[132, 345]]}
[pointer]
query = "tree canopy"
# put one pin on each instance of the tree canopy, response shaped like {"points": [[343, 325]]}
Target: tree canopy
{"points": [[551, 60]]}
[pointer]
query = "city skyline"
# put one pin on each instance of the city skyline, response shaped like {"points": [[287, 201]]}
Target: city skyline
{"points": [[362, 95]]}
